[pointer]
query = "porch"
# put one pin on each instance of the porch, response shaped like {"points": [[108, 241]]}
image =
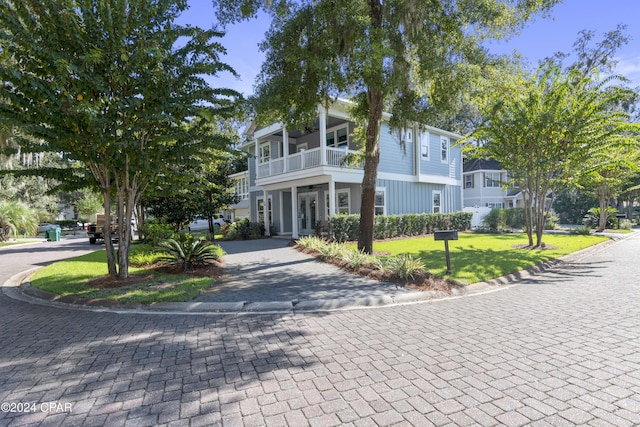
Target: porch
{"points": [[307, 159]]}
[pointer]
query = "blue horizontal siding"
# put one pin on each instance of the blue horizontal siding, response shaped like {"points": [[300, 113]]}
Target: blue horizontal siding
{"points": [[393, 159]]}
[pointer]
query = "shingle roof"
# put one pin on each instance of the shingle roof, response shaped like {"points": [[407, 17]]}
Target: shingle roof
{"points": [[481, 164]]}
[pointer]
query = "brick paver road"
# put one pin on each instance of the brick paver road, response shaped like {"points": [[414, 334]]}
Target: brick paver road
{"points": [[562, 349]]}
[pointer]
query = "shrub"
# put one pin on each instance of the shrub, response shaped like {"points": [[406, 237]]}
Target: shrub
{"points": [[345, 227], [584, 231], [625, 224], [514, 217], [243, 230], [156, 230], [143, 255], [188, 252], [403, 266], [495, 219], [357, 259], [592, 217], [551, 221]]}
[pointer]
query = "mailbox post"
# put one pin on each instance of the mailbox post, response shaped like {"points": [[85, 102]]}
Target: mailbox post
{"points": [[446, 235]]}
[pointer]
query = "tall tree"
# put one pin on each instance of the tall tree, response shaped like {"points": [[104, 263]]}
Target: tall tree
{"points": [[410, 57], [548, 131], [111, 84]]}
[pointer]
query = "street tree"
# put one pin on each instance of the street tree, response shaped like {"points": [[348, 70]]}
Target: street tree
{"points": [[410, 58], [115, 86], [551, 129]]}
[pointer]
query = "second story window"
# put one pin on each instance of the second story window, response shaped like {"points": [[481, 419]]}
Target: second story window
{"points": [[444, 149], [265, 152], [424, 146], [492, 180], [338, 137], [242, 188], [468, 181]]}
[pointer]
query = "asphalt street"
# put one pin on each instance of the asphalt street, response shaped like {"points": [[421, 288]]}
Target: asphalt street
{"points": [[560, 348]]}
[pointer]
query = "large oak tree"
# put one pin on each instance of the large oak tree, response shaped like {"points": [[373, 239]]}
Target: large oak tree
{"points": [[411, 58]]}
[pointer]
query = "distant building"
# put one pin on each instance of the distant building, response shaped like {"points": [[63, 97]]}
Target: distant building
{"points": [[483, 185]]}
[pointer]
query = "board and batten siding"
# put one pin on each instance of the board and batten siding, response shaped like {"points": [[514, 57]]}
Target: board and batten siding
{"points": [[415, 197], [393, 158]]}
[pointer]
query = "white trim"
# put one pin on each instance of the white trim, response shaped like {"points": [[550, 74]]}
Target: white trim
{"points": [[337, 199], [308, 193], [268, 130], [423, 143], [433, 205], [384, 192]]}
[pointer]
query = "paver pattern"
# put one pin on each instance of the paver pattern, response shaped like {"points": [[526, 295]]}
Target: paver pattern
{"points": [[562, 348]]}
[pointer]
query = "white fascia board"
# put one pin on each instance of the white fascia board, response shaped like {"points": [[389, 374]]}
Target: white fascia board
{"points": [[322, 173], [239, 174], [268, 130]]}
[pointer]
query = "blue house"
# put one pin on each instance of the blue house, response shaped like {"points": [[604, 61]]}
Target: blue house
{"points": [[297, 179]]}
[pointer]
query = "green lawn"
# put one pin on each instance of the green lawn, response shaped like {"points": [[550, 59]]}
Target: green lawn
{"points": [[18, 242], [70, 277], [479, 257]]}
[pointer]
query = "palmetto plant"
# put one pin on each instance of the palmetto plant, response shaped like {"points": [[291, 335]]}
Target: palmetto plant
{"points": [[188, 252], [17, 218]]}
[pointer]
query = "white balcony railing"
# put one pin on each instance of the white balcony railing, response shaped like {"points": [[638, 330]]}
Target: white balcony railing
{"points": [[306, 159]]}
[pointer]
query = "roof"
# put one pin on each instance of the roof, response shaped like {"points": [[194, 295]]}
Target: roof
{"points": [[481, 164]]}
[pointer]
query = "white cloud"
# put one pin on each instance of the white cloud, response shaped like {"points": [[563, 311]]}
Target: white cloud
{"points": [[629, 66]]}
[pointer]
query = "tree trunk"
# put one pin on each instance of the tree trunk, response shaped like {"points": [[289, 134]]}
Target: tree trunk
{"points": [[106, 233], [371, 161], [603, 199]]}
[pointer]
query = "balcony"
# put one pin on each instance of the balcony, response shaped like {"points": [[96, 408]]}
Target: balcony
{"points": [[306, 159]]}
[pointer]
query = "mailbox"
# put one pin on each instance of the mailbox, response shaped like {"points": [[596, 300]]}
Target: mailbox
{"points": [[445, 235]]}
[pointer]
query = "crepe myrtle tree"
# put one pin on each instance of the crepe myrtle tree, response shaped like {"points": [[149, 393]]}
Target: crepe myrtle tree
{"points": [[112, 85], [408, 57]]}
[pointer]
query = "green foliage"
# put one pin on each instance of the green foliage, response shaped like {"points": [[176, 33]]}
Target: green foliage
{"points": [[143, 255], [583, 231], [571, 205], [243, 230], [405, 266], [592, 217], [514, 217], [550, 221], [188, 252], [128, 106], [345, 227], [17, 219], [551, 129], [495, 219], [156, 230]]}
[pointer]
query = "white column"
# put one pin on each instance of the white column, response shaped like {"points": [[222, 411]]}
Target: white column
{"points": [[267, 218], [332, 198], [294, 212], [285, 148], [256, 157], [322, 119]]}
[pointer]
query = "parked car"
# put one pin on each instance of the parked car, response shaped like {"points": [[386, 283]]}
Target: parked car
{"points": [[199, 224], [46, 226]]}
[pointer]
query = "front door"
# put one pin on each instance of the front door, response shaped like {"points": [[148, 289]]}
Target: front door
{"points": [[307, 213]]}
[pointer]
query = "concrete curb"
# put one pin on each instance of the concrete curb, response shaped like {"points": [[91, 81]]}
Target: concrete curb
{"points": [[18, 287]]}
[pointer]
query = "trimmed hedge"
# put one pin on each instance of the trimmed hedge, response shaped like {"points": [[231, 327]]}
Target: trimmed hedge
{"points": [[345, 227]]}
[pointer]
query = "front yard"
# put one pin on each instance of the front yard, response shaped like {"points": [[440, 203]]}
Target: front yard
{"points": [[480, 257]]}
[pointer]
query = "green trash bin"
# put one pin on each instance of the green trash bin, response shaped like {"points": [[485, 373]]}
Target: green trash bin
{"points": [[52, 234]]}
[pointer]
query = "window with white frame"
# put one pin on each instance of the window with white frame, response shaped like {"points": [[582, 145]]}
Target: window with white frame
{"points": [[342, 201], [379, 202], [444, 149], [242, 187], [338, 137], [265, 152], [492, 179], [495, 205], [437, 202], [424, 146], [260, 207], [343, 204], [468, 181]]}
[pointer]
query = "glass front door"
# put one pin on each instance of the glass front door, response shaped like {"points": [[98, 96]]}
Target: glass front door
{"points": [[307, 213]]}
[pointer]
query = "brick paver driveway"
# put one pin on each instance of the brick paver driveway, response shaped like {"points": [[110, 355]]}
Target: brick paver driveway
{"points": [[562, 349]]}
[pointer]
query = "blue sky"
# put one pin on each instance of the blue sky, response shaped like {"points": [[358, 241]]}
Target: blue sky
{"points": [[541, 38]]}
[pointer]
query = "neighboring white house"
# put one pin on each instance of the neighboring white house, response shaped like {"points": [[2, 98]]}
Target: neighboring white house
{"points": [[298, 179], [483, 181], [239, 210]]}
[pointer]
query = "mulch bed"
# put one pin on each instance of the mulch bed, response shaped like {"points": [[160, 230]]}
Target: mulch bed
{"points": [[420, 282], [211, 269]]}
